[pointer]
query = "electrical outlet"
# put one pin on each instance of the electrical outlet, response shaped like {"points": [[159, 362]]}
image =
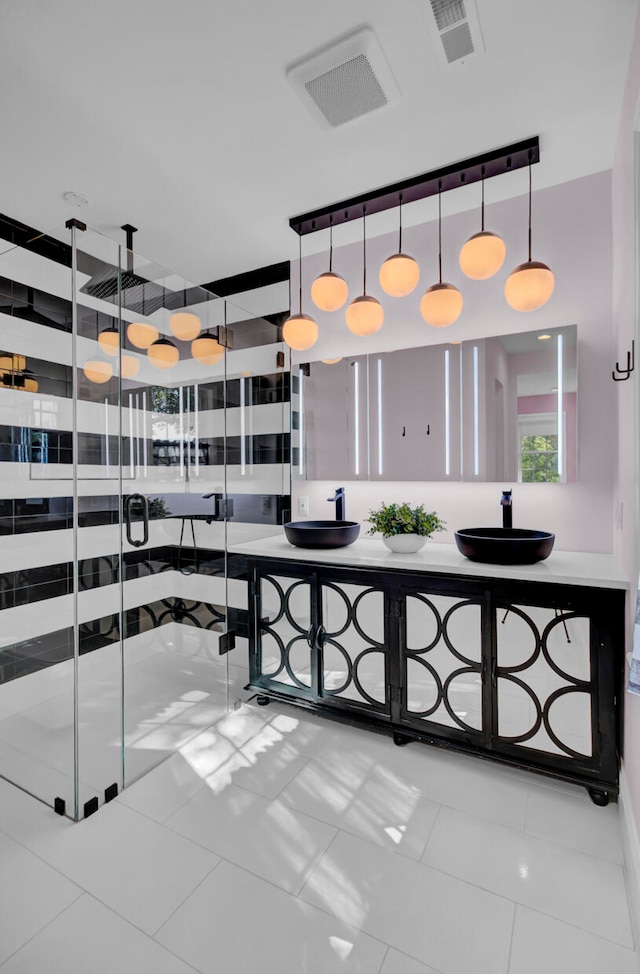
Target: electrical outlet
{"points": [[266, 504], [303, 506]]}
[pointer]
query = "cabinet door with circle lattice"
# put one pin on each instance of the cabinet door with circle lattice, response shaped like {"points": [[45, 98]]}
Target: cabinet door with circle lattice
{"points": [[353, 644], [285, 621], [544, 681], [441, 665]]}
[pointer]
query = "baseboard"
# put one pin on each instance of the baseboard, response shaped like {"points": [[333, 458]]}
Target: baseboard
{"points": [[631, 846]]}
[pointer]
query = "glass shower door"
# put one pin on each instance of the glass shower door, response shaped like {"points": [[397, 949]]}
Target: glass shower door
{"points": [[173, 530], [37, 524]]}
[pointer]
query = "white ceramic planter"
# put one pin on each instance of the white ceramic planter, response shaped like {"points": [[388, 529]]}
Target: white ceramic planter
{"points": [[405, 543]]}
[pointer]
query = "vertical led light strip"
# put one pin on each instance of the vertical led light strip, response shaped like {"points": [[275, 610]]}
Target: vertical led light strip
{"points": [[106, 430], [145, 457], [181, 432], [132, 458], [138, 445], [357, 400], [301, 420], [196, 431], [447, 416], [560, 415], [243, 447], [380, 417], [476, 434]]}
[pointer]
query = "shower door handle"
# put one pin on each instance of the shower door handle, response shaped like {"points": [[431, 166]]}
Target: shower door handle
{"points": [[138, 498]]}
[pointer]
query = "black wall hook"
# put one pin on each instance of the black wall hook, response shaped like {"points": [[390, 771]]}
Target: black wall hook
{"points": [[623, 374]]}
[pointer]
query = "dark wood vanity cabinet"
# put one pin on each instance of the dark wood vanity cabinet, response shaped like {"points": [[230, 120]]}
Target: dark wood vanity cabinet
{"points": [[527, 673]]}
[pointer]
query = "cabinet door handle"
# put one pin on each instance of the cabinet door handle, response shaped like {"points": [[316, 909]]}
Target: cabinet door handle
{"points": [[311, 636], [320, 634], [494, 672]]}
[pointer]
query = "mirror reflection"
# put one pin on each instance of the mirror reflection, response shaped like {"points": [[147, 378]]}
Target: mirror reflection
{"points": [[494, 409]]}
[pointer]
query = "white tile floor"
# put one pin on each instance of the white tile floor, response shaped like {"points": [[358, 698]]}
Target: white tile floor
{"points": [[279, 842]]}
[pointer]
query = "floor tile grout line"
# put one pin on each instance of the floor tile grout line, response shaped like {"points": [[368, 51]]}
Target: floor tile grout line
{"points": [[436, 970], [513, 930], [537, 838], [318, 863], [573, 926], [81, 892], [90, 892], [501, 896], [154, 935], [246, 868], [431, 831]]}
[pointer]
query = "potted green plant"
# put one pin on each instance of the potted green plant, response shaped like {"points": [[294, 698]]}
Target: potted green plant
{"points": [[404, 528]]}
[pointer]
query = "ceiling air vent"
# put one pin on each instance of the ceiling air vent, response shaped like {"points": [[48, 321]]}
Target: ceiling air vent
{"points": [[345, 81], [456, 30]]}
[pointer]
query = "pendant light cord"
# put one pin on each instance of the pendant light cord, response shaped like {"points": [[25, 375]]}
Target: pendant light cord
{"points": [[400, 228], [364, 250], [300, 271], [440, 230], [330, 245], [482, 208], [529, 207]]}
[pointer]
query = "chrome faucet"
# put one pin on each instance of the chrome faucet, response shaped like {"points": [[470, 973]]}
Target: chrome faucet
{"points": [[507, 509], [338, 498]]}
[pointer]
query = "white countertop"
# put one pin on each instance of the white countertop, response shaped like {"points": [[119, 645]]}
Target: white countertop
{"points": [[563, 567]]}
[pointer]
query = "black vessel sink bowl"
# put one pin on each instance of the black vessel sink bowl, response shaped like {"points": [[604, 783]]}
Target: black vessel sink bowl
{"points": [[505, 546], [321, 534]]}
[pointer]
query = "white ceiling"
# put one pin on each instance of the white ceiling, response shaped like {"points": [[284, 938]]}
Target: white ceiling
{"points": [[178, 118]]}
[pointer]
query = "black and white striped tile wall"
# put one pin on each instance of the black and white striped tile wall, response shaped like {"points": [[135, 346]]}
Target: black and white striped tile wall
{"points": [[243, 419]]}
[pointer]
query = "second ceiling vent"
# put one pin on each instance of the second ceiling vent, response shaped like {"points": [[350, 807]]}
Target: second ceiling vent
{"points": [[345, 81], [456, 30]]}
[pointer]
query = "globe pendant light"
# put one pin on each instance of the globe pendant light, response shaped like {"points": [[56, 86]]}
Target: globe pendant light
{"points": [[531, 284], [163, 354], [331, 361], [365, 314], [109, 341], [129, 366], [184, 325], [399, 275], [329, 291], [142, 334], [206, 349], [442, 303], [482, 255], [300, 331], [97, 371]]}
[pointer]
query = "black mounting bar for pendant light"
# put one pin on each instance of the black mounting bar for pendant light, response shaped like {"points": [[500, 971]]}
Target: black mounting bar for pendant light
{"points": [[472, 170]]}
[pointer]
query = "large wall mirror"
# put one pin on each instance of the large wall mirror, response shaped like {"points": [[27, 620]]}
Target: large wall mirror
{"points": [[495, 409]]}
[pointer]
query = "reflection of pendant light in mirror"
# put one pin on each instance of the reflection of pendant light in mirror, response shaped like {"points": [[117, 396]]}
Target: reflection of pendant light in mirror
{"points": [[109, 341], [399, 275], [300, 331], [184, 325], [329, 291], [206, 349], [142, 334], [129, 366], [531, 284], [442, 303], [331, 361], [365, 314], [98, 371], [163, 354], [482, 255]]}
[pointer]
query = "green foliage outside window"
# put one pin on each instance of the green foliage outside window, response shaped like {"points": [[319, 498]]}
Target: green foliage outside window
{"points": [[539, 459], [164, 400]]}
